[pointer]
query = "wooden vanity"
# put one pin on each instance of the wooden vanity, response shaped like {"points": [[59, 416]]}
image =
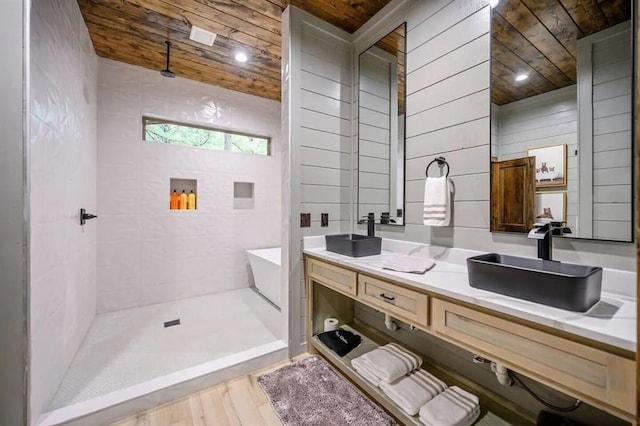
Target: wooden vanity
{"points": [[596, 373]]}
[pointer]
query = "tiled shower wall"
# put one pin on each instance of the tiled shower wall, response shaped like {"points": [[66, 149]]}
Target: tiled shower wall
{"points": [[62, 171], [146, 253]]}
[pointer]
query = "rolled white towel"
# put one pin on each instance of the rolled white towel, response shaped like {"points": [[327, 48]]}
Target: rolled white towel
{"points": [[413, 391], [453, 407], [362, 369], [390, 362]]}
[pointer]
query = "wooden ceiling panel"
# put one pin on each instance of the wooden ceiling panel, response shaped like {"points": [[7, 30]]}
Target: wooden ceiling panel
{"points": [[346, 14], [539, 38], [134, 31]]}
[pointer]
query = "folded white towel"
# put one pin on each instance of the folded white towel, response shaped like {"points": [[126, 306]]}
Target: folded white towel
{"points": [[453, 407], [468, 421], [411, 264], [437, 201], [362, 369], [413, 391], [390, 362]]}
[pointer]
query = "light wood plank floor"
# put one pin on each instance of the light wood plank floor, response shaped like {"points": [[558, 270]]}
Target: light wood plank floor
{"points": [[238, 402]]}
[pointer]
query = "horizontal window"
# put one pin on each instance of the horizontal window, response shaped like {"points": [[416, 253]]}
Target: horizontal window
{"points": [[169, 132]]}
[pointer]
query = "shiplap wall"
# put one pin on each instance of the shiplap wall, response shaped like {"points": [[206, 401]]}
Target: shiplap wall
{"points": [[612, 152], [448, 105], [373, 149], [317, 99], [544, 120], [448, 109]]}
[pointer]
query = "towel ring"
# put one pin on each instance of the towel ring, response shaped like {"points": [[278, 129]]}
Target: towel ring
{"points": [[441, 161]]}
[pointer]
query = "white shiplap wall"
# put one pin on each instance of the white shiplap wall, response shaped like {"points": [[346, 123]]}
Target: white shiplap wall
{"points": [[544, 120], [448, 109], [317, 101]]}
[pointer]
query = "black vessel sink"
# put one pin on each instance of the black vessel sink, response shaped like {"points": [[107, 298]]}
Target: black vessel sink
{"points": [[354, 245], [561, 285]]}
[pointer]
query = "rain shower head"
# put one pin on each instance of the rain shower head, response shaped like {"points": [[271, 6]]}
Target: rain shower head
{"points": [[167, 72]]}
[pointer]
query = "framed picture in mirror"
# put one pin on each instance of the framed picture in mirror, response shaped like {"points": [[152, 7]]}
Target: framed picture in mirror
{"points": [[551, 206], [551, 165]]}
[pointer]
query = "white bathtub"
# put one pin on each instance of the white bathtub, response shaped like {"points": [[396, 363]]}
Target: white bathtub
{"points": [[265, 264]]}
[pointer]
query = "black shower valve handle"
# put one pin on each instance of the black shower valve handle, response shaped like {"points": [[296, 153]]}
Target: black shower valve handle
{"points": [[84, 216]]}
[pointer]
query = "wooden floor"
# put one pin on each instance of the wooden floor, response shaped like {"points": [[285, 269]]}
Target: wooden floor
{"points": [[238, 402]]}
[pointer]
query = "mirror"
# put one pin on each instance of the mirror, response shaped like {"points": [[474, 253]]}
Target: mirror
{"points": [[381, 124], [562, 93]]}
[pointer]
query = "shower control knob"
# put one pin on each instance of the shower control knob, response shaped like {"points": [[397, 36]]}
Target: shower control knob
{"points": [[84, 216]]}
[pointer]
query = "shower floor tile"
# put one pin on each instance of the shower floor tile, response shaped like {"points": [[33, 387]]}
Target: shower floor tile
{"points": [[127, 347]]}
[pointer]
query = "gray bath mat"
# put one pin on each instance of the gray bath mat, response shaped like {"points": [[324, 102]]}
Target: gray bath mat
{"points": [[310, 392]]}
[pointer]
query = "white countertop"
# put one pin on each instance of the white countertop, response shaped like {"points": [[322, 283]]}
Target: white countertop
{"points": [[611, 321]]}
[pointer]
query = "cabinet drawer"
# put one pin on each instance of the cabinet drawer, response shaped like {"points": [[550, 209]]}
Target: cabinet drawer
{"points": [[340, 279], [579, 369], [403, 303]]}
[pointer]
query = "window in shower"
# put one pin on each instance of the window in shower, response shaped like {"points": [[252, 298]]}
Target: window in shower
{"points": [[192, 135]]}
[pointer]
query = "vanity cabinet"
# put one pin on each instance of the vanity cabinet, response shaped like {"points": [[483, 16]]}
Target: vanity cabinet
{"points": [[599, 375]]}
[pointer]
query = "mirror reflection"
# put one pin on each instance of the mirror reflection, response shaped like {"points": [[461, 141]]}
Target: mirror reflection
{"points": [[381, 93], [561, 117]]}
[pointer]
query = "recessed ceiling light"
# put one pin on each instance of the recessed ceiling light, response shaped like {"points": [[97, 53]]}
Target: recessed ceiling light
{"points": [[241, 57], [493, 3], [522, 77]]}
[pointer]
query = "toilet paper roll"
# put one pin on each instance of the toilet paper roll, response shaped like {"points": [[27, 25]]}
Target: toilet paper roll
{"points": [[330, 324]]}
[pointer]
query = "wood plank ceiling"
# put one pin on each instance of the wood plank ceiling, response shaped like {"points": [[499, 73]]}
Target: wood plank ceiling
{"points": [[539, 38], [134, 31]]}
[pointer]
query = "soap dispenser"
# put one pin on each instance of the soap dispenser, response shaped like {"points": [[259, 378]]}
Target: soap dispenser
{"points": [[174, 200], [183, 200], [191, 201]]}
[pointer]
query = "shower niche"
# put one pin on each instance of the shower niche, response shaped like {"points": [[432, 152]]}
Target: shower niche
{"points": [[180, 186]]}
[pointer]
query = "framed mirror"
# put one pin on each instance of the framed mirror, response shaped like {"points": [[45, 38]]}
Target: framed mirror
{"points": [[381, 128], [562, 117]]}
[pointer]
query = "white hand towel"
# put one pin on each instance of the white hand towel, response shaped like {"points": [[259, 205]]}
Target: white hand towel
{"points": [[413, 391], [361, 369], [437, 201], [453, 407], [390, 362], [411, 264]]}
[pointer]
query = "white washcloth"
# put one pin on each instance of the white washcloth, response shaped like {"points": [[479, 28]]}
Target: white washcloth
{"points": [[362, 369], [411, 264], [413, 391], [390, 362], [453, 407], [437, 201]]}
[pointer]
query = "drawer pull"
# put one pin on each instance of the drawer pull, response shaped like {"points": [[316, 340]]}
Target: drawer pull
{"points": [[388, 299]]}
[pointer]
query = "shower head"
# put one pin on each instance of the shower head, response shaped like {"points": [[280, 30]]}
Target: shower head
{"points": [[167, 72]]}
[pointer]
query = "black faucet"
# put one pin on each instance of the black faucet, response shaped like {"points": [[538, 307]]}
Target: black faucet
{"points": [[543, 233], [545, 247], [371, 224]]}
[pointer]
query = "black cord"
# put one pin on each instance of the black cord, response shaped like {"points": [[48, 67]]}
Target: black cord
{"points": [[542, 401]]}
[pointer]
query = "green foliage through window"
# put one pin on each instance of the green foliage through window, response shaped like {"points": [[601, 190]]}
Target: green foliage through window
{"points": [[161, 131]]}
